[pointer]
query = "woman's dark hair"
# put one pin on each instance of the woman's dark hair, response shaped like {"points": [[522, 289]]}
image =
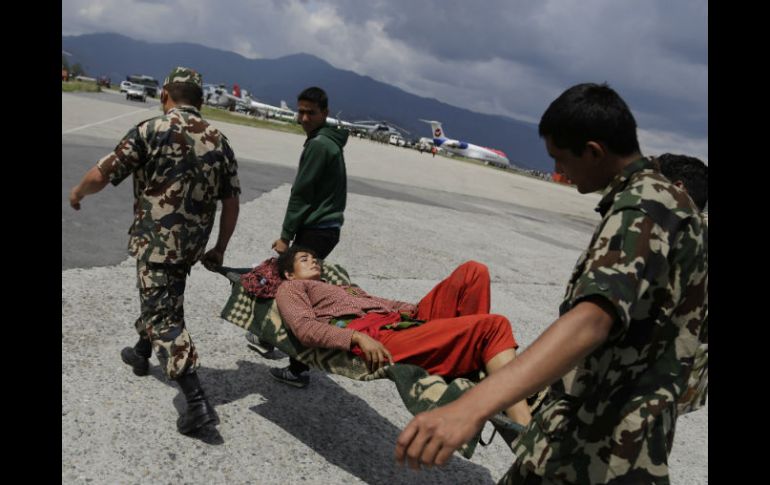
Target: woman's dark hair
{"points": [[286, 260]]}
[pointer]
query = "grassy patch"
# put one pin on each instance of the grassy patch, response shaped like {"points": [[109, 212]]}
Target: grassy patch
{"points": [[240, 119], [72, 86]]}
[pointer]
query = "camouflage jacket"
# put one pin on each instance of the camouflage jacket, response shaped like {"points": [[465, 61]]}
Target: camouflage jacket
{"points": [[694, 396], [612, 417], [181, 166]]}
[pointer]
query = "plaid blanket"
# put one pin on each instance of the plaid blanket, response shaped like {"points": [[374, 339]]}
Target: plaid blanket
{"points": [[419, 390]]}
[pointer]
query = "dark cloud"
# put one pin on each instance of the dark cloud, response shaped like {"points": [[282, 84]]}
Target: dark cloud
{"points": [[563, 42], [452, 29]]}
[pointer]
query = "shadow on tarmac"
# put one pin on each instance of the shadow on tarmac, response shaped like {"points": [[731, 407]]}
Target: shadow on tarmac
{"points": [[338, 425]]}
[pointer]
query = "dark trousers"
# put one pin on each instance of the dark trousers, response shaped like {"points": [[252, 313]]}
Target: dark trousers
{"points": [[322, 242]]}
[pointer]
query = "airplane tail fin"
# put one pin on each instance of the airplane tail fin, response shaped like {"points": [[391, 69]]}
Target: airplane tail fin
{"points": [[284, 105], [436, 129]]}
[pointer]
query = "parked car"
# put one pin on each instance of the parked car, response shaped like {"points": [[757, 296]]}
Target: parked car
{"points": [[124, 86], [151, 85], [136, 91]]}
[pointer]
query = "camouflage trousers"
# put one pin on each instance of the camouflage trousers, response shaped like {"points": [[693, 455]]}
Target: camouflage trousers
{"points": [[161, 293], [632, 448], [521, 475]]}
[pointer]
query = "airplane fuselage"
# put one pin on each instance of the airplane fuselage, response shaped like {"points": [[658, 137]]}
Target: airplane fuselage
{"points": [[469, 150], [269, 110]]}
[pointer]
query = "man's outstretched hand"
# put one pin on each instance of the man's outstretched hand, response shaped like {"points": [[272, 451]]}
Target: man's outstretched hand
{"points": [[430, 438]]}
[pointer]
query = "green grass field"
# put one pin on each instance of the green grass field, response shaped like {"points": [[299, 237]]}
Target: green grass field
{"points": [[239, 119], [72, 86]]}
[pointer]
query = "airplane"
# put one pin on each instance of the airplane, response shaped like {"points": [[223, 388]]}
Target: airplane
{"points": [[268, 110], [250, 105], [379, 127], [465, 149], [331, 121], [240, 100], [217, 95]]}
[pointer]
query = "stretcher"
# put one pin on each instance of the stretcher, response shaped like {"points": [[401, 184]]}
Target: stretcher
{"points": [[418, 390]]}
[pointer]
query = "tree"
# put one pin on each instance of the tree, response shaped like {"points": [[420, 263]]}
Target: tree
{"points": [[77, 70]]}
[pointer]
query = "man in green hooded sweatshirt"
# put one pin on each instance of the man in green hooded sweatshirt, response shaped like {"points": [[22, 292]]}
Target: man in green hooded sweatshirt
{"points": [[314, 214]]}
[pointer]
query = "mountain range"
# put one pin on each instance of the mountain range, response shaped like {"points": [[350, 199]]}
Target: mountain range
{"points": [[353, 96]]}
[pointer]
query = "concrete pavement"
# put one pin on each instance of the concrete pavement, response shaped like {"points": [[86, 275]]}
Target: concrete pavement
{"points": [[410, 220]]}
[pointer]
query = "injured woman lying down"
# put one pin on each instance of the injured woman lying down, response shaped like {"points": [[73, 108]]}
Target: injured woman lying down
{"points": [[450, 332]]}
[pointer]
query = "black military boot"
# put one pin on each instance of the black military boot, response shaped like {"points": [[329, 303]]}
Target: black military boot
{"points": [[199, 412], [138, 356]]}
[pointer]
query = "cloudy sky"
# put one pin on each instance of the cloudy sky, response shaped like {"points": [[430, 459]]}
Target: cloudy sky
{"points": [[508, 57]]}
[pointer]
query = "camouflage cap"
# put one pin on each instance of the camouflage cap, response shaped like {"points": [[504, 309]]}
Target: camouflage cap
{"points": [[184, 75]]}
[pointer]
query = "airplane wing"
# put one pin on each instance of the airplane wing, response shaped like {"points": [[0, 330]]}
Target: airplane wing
{"points": [[453, 144], [250, 104], [269, 109]]}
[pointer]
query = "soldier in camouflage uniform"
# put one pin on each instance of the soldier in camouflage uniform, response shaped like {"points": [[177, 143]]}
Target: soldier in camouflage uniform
{"points": [[620, 355], [181, 166], [689, 173], [692, 175]]}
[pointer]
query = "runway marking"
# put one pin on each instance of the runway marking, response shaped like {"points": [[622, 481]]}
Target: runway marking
{"points": [[107, 120]]}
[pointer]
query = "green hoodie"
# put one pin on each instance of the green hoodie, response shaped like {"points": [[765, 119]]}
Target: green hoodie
{"points": [[320, 189]]}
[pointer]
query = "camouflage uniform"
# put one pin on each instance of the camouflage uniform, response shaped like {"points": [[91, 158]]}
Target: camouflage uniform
{"points": [[694, 397], [611, 419], [181, 166]]}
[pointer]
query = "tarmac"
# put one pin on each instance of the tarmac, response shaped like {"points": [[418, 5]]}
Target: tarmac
{"points": [[410, 220]]}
